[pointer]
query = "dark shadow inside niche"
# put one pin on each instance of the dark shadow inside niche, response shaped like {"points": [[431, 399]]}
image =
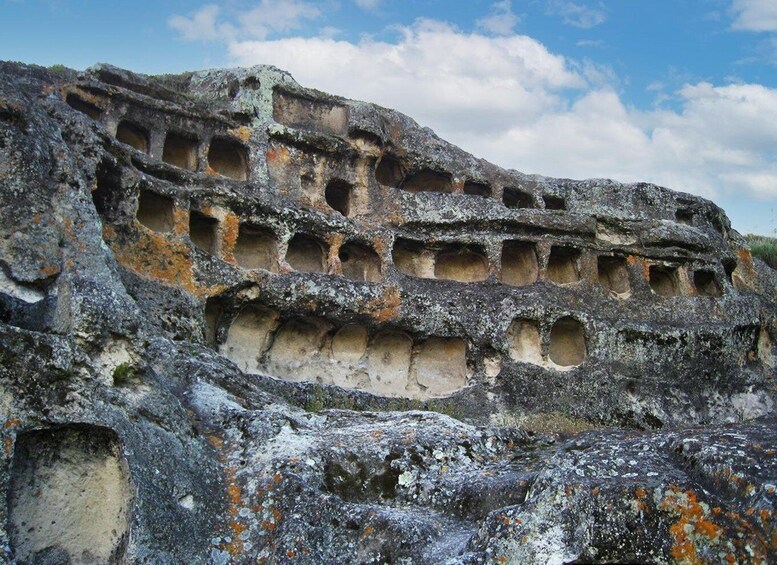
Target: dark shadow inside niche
{"points": [[69, 496], [519, 263], [360, 263], [256, 248], [338, 195], [461, 263], [365, 136], [228, 158], [563, 265], [133, 135], [251, 83], [474, 188], [155, 211], [427, 180], [214, 310], [554, 202], [516, 198], [705, 283], [107, 194], [409, 257], [306, 254], [567, 346], [81, 105], [614, 274], [729, 266], [203, 231], [664, 281], [180, 150], [684, 217], [388, 171]]}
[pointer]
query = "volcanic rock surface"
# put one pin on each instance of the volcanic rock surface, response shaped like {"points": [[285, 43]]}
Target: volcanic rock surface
{"points": [[242, 321]]}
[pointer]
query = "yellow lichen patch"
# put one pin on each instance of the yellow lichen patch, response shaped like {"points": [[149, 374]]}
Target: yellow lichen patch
{"points": [[49, 270], [380, 246], [12, 423], [230, 231], [180, 221], [639, 503], [693, 530], [634, 260], [386, 306], [243, 133], [90, 97], [279, 156], [157, 257]]}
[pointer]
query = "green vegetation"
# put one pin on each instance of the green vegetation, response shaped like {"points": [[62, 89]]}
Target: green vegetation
{"points": [[58, 69], [765, 248], [124, 374]]}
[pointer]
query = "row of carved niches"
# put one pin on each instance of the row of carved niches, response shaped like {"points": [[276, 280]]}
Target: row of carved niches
{"points": [[562, 348], [388, 362], [219, 153], [357, 184], [521, 263]]}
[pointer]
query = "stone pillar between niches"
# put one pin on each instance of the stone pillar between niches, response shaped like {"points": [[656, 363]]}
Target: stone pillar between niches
{"points": [[156, 143]]}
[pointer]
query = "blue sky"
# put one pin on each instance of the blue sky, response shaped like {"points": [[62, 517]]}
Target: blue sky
{"points": [[678, 92]]}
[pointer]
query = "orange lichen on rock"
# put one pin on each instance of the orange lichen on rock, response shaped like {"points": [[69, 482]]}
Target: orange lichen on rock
{"points": [[158, 256], [279, 156], [693, 530], [180, 221], [155, 256], [230, 231], [386, 306], [12, 423], [243, 133]]}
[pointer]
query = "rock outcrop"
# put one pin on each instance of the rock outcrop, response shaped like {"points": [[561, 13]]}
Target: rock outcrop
{"points": [[243, 321]]}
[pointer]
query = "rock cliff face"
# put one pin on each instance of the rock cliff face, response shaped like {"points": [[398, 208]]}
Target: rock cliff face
{"points": [[244, 321]]}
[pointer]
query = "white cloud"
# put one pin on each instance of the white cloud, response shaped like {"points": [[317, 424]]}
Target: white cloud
{"points": [[500, 21], [209, 23], [577, 15], [276, 16], [199, 25], [507, 99], [590, 43], [755, 15], [367, 4], [433, 72]]}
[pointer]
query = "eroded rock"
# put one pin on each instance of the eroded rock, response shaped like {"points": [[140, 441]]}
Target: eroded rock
{"points": [[242, 321]]}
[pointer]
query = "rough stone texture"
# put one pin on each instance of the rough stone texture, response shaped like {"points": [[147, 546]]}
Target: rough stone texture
{"points": [[243, 321]]}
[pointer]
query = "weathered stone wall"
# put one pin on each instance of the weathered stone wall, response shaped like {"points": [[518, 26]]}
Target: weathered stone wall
{"points": [[319, 208], [184, 258]]}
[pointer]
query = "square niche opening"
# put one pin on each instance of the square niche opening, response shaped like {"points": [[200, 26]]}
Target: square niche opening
{"points": [[203, 231], [155, 211]]}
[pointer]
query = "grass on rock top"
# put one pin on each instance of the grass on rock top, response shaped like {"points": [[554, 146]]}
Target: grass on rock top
{"points": [[765, 248]]}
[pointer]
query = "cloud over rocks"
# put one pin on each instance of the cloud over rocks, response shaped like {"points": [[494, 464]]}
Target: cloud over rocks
{"points": [[510, 99], [433, 72]]}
